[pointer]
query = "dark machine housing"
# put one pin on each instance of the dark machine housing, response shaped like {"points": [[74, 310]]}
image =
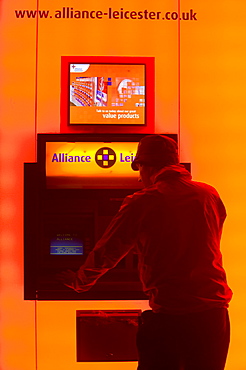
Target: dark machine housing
{"points": [[64, 219]]}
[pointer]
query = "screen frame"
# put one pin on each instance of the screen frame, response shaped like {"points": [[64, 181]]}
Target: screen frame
{"points": [[148, 126]]}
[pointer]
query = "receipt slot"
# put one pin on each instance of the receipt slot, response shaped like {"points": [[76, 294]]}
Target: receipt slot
{"points": [[70, 195]]}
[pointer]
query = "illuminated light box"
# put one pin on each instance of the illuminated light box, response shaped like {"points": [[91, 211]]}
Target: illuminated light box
{"points": [[89, 161], [91, 165], [107, 91]]}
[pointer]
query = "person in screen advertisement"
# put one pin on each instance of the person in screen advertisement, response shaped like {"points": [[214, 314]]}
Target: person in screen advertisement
{"points": [[175, 225]]}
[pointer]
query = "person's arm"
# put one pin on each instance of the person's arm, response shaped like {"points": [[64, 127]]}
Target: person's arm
{"points": [[118, 239]]}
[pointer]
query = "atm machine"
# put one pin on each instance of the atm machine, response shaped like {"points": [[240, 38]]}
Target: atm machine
{"points": [[71, 194]]}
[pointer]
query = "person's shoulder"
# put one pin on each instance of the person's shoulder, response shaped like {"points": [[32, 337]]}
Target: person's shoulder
{"points": [[208, 192], [143, 193], [206, 188], [140, 196]]}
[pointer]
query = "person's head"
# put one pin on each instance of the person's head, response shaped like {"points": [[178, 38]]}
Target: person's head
{"points": [[154, 153]]}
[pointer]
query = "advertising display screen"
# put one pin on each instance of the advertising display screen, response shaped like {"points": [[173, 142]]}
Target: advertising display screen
{"points": [[107, 94], [91, 165]]}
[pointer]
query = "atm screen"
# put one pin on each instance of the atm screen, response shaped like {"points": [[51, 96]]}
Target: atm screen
{"points": [[66, 244], [91, 165]]}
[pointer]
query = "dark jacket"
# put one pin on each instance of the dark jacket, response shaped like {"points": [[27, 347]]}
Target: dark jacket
{"points": [[175, 225]]}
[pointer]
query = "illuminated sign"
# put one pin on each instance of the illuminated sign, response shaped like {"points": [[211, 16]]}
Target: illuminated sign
{"points": [[91, 165]]}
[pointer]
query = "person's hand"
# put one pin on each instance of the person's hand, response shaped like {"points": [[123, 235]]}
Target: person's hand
{"points": [[66, 277]]}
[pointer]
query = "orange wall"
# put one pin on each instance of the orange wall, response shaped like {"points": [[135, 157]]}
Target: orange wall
{"points": [[204, 103], [213, 134]]}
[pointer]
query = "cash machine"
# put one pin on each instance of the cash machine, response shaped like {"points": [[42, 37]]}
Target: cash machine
{"points": [[71, 193]]}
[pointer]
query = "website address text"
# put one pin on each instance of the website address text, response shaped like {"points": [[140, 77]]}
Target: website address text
{"points": [[71, 13]]}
